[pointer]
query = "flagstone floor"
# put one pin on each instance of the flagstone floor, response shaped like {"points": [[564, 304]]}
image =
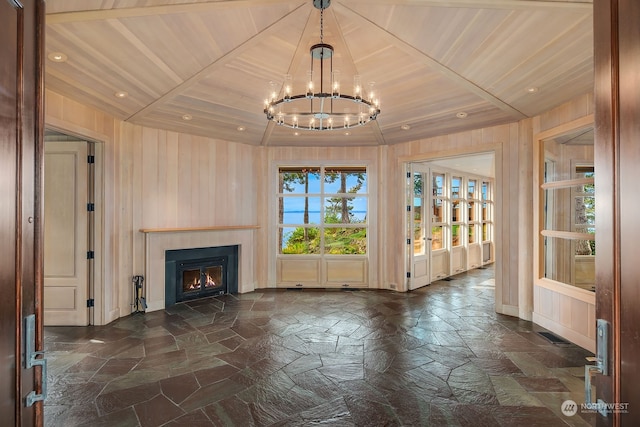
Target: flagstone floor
{"points": [[437, 356]]}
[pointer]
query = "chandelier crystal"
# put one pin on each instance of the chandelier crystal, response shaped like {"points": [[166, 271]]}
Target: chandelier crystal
{"points": [[322, 106]]}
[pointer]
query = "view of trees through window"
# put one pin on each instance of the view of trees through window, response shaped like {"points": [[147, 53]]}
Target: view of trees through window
{"points": [[322, 210], [585, 211]]}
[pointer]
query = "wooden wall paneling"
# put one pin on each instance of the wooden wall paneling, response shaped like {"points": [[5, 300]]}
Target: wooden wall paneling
{"points": [[565, 113], [208, 200], [131, 246], [510, 195], [381, 206], [264, 250], [525, 220], [170, 206], [501, 212], [566, 311], [196, 188], [352, 272], [183, 166], [146, 176]]}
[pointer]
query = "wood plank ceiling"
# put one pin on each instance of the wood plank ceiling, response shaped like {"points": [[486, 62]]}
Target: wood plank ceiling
{"points": [[214, 62]]}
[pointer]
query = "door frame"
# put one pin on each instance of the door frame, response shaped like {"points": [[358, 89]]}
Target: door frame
{"points": [[496, 149], [96, 290]]}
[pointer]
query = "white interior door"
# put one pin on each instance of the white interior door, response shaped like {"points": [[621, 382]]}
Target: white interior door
{"points": [[66, 277], [419, 246]]}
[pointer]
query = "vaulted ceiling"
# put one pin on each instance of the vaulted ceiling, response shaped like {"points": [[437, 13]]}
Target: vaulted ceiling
{"points": [[205, 67]]}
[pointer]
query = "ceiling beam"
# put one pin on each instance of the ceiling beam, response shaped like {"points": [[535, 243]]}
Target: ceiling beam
{"points": [[168, 9], [486, 4], [456, 78], [203, 6]]}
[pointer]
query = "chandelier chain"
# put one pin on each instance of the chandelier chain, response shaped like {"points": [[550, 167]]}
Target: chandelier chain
{"points": [[321, 25]]}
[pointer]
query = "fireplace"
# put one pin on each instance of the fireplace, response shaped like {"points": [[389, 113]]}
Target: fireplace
{"points": [[200, 272]]}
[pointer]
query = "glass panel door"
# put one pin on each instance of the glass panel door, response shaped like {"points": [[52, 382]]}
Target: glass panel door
{"points": [[418, 224]]}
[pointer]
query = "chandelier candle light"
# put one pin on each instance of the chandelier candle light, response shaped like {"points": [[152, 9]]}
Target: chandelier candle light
{"points": [[327, 108]]}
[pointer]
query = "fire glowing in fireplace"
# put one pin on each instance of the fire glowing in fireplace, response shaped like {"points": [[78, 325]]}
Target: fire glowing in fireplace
{"points": [[209, 282], [194, 280]]}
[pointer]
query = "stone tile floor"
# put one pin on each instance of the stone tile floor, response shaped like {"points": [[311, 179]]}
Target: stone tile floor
{"points": [[437, 356]]}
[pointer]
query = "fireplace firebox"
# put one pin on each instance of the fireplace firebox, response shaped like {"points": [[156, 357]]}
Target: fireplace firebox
{"points": [[201, 278], [200, 272]]}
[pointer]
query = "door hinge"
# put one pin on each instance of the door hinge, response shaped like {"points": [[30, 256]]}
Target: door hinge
{"points": [[91, 207], [91, 158], [408, 174], [408, 275], [408, 241], [408, 208], [90, 302], [90, 254]]}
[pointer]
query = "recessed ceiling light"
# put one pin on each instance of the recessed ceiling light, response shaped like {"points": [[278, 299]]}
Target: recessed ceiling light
{"points": [[187, 117], [57, 57], [241, 128], [121, 94], [532, 89], [405, 127], [461, 115], [347, 133], [296, 133]]}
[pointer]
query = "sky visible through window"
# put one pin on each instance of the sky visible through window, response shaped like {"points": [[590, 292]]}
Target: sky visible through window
{"points": [[294, 205]]}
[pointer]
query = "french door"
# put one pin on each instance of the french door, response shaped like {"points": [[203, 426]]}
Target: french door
{"points": [[418, 226]]}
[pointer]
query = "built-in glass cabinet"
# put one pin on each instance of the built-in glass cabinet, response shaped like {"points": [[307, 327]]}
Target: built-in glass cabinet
{"points": [[564, 232]]}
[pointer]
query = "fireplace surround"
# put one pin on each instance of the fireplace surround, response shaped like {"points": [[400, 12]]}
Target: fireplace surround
{"points": [[200, 272]]}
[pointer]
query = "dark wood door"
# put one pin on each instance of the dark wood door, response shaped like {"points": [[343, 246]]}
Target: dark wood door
{"points": [[617, 153], [21, 119]]}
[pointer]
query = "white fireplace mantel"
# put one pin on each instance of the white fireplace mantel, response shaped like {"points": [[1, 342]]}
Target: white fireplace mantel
{"points": [[159, 240]]}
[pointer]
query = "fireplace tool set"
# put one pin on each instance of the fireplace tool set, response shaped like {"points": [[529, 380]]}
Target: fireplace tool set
{"points": [[139, 302]]}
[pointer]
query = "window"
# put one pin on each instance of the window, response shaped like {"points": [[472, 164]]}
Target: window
{"points": [[567, 210], [457, 214], [322, 210], [419, 246], [487, 208], [438, 218]]}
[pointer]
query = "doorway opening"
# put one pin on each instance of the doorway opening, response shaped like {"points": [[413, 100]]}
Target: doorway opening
{"points": [[450, 221], [72, 215]]}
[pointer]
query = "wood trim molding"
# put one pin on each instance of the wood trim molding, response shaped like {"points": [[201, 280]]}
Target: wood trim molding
{"points": [[569, 235], [568, 183], [572, 126], [188, 229]]}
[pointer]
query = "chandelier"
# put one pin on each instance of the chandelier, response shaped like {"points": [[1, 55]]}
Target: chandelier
{"points": [[326, 108]]}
